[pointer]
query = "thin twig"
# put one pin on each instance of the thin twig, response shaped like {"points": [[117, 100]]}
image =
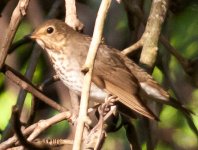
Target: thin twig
{"points": [[19, 43], [35, 102], [27, 85], [97, 35], [42, 125], [48, 122], [17, 16], [17, 129], [133, 47], [48, 82], [54, 142], [184, 62]]}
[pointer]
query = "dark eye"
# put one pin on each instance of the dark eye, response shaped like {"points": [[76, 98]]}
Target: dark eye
{"points": [[50, 30]]}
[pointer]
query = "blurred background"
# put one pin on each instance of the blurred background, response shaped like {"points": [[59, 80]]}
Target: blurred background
{"points": [[122, 28]]}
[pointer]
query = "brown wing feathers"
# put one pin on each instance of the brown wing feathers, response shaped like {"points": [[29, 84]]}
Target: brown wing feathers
{"points": [[129, 100], [111, 73], [117, 79]]}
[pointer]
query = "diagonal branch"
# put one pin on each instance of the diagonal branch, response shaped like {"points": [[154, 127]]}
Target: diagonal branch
{"points": [[44, 123], [28, 86], [17, 16], [133, 47]]}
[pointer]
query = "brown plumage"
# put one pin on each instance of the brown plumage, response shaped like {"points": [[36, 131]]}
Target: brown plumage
{"points": [[113, 72]]}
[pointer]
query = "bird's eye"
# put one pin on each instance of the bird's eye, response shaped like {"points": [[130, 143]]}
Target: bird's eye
{"points": [[50, 30]]}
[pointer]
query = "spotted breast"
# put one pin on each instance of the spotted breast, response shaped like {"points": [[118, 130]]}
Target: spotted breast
{"points": [[68, 70]]}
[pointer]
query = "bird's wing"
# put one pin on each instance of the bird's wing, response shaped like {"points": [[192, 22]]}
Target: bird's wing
{"points": [[146, 81], [153, 89], [118, 80]]}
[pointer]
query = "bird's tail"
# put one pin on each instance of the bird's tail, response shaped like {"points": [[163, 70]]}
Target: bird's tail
{"points": [[131, 101]]}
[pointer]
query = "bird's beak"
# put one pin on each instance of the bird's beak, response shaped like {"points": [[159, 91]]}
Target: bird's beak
{"points": [[33, 36]]}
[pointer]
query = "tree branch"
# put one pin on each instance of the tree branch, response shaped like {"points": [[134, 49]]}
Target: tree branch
{"points": [[97, 35], [30, 69], [36, 126], [133, 47], [152, 32], [71, 15], [19, 134], [17, 15], [27, 85]]}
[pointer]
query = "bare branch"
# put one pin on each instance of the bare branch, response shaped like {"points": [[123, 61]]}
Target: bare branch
{"points": [[71, 15], [184, 62], [34, 102], [42, 125], [19, 43], [96, 137], [54, 142], [47, 123], [133, 47], [152, 32], [97, 35], [17, 15], [30, 69], [17, 128], [48, 82], [27, 85]]}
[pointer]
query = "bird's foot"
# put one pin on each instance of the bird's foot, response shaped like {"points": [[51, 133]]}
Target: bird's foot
{"points": [[109, 102]]}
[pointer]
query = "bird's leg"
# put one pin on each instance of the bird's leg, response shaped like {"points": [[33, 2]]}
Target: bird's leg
{"points": [[110, 98], [97, 134], [109, 102]]}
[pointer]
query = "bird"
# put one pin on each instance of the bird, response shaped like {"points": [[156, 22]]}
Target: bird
{"points": [[113, 73]]}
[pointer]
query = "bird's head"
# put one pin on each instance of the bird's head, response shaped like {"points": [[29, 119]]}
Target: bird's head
{"points": [[51, 35]]}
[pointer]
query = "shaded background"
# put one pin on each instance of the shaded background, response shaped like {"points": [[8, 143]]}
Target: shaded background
{"points": [[181, 28]]}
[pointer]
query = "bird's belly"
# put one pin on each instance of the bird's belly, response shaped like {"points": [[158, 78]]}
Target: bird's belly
{"points": [[72, 77], [74, 81]]}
